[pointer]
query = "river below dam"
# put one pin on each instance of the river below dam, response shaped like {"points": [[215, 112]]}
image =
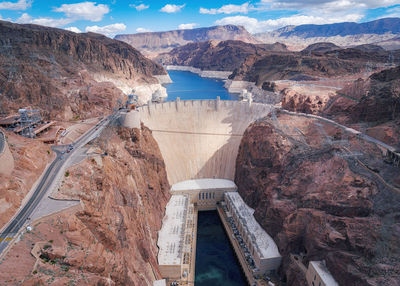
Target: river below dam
{"points": [[187, 85], [216, 263]]}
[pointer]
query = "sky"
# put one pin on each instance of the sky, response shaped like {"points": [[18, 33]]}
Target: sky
{"points": [[111, 17]]}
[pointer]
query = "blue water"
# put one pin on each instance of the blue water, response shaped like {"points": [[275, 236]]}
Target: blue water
{"points": [[187, 85], [216, 264]]}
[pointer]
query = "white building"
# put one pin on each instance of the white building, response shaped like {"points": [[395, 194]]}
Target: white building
{"points": [[205, 193], [177, 224], [261, 246], [162, 282], [319, 275]]}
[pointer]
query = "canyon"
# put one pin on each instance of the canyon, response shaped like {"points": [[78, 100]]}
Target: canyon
{"points": [[111, 236], [320, 190], [69, 75]]}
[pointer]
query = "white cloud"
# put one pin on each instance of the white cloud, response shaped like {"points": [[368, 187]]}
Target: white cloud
{"points": [[229, 9], [85, 10], [327, 5], [20, 5], [109, 30], [44, 21], [73, 29], [139, 7], [187, 26], [172, 8], [255, 26], [142, 30]]}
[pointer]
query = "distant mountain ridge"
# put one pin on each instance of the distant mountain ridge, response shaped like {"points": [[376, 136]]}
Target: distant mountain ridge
{"points": [[381, 26], [157, 42], [383, 32]]}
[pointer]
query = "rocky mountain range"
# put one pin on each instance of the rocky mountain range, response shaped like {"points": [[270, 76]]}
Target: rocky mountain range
{"points": [[152, 43], [216, 55], [67, 74], [384, 32]]}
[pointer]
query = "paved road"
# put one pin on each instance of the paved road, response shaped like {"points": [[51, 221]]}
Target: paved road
{"points": [[47, 180], [2, 139]]}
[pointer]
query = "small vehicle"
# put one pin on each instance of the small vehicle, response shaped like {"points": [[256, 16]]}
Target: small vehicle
{"points": [[62, 152], [68, 151]]}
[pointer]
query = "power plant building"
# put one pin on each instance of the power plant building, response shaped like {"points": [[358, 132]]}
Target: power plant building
{"points": [[205, 193], [175, 237], [319, 275], [262, 247]]}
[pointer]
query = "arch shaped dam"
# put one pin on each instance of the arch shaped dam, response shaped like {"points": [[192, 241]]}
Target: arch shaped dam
{"points": [[199, 138]]}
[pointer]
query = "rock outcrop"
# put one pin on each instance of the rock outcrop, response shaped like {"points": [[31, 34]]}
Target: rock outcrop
{"points": [[30, 160], [374, 101], [319, 201], [293, 66], [157, 42], [215, 55], [67, 74], [112, 239]]}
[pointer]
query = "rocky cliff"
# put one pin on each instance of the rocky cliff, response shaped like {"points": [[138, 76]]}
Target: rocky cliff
{"points": [[375, 102], [67, 74], [111, 238], [376, 99], [30, 159], [319, 201], [157, 42], [215, 55], [293, 66]]}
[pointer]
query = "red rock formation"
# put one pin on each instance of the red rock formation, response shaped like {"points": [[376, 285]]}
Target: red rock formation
{"points": [[30, 159], [67, 74], [314, 200], [375, 101], [112, 239], [215, 55]]}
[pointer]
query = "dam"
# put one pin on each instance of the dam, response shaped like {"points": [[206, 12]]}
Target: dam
{"points": [[199, 141], [197, 138]]}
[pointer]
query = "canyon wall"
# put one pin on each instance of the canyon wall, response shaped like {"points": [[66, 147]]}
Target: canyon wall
{"points": [[111, 238], [200, 138], [66, 74], [322, 194], [25, 161]]}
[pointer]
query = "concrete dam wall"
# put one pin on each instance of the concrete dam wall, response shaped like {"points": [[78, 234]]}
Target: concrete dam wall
{"points": [[198, 138]]}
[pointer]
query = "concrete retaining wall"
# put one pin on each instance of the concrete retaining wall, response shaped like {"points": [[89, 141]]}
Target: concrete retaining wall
{"points": [[6, 158], [200, 138], [130, 119], [202, 73]]}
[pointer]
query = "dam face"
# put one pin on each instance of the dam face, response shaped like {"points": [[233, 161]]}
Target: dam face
{"points": [[198, 138]]}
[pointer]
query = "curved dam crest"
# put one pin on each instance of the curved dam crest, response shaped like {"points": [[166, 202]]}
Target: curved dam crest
{"points": [[198, 138]]}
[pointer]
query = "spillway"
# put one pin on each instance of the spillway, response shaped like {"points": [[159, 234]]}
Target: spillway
{"points": [[198, 138]]}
